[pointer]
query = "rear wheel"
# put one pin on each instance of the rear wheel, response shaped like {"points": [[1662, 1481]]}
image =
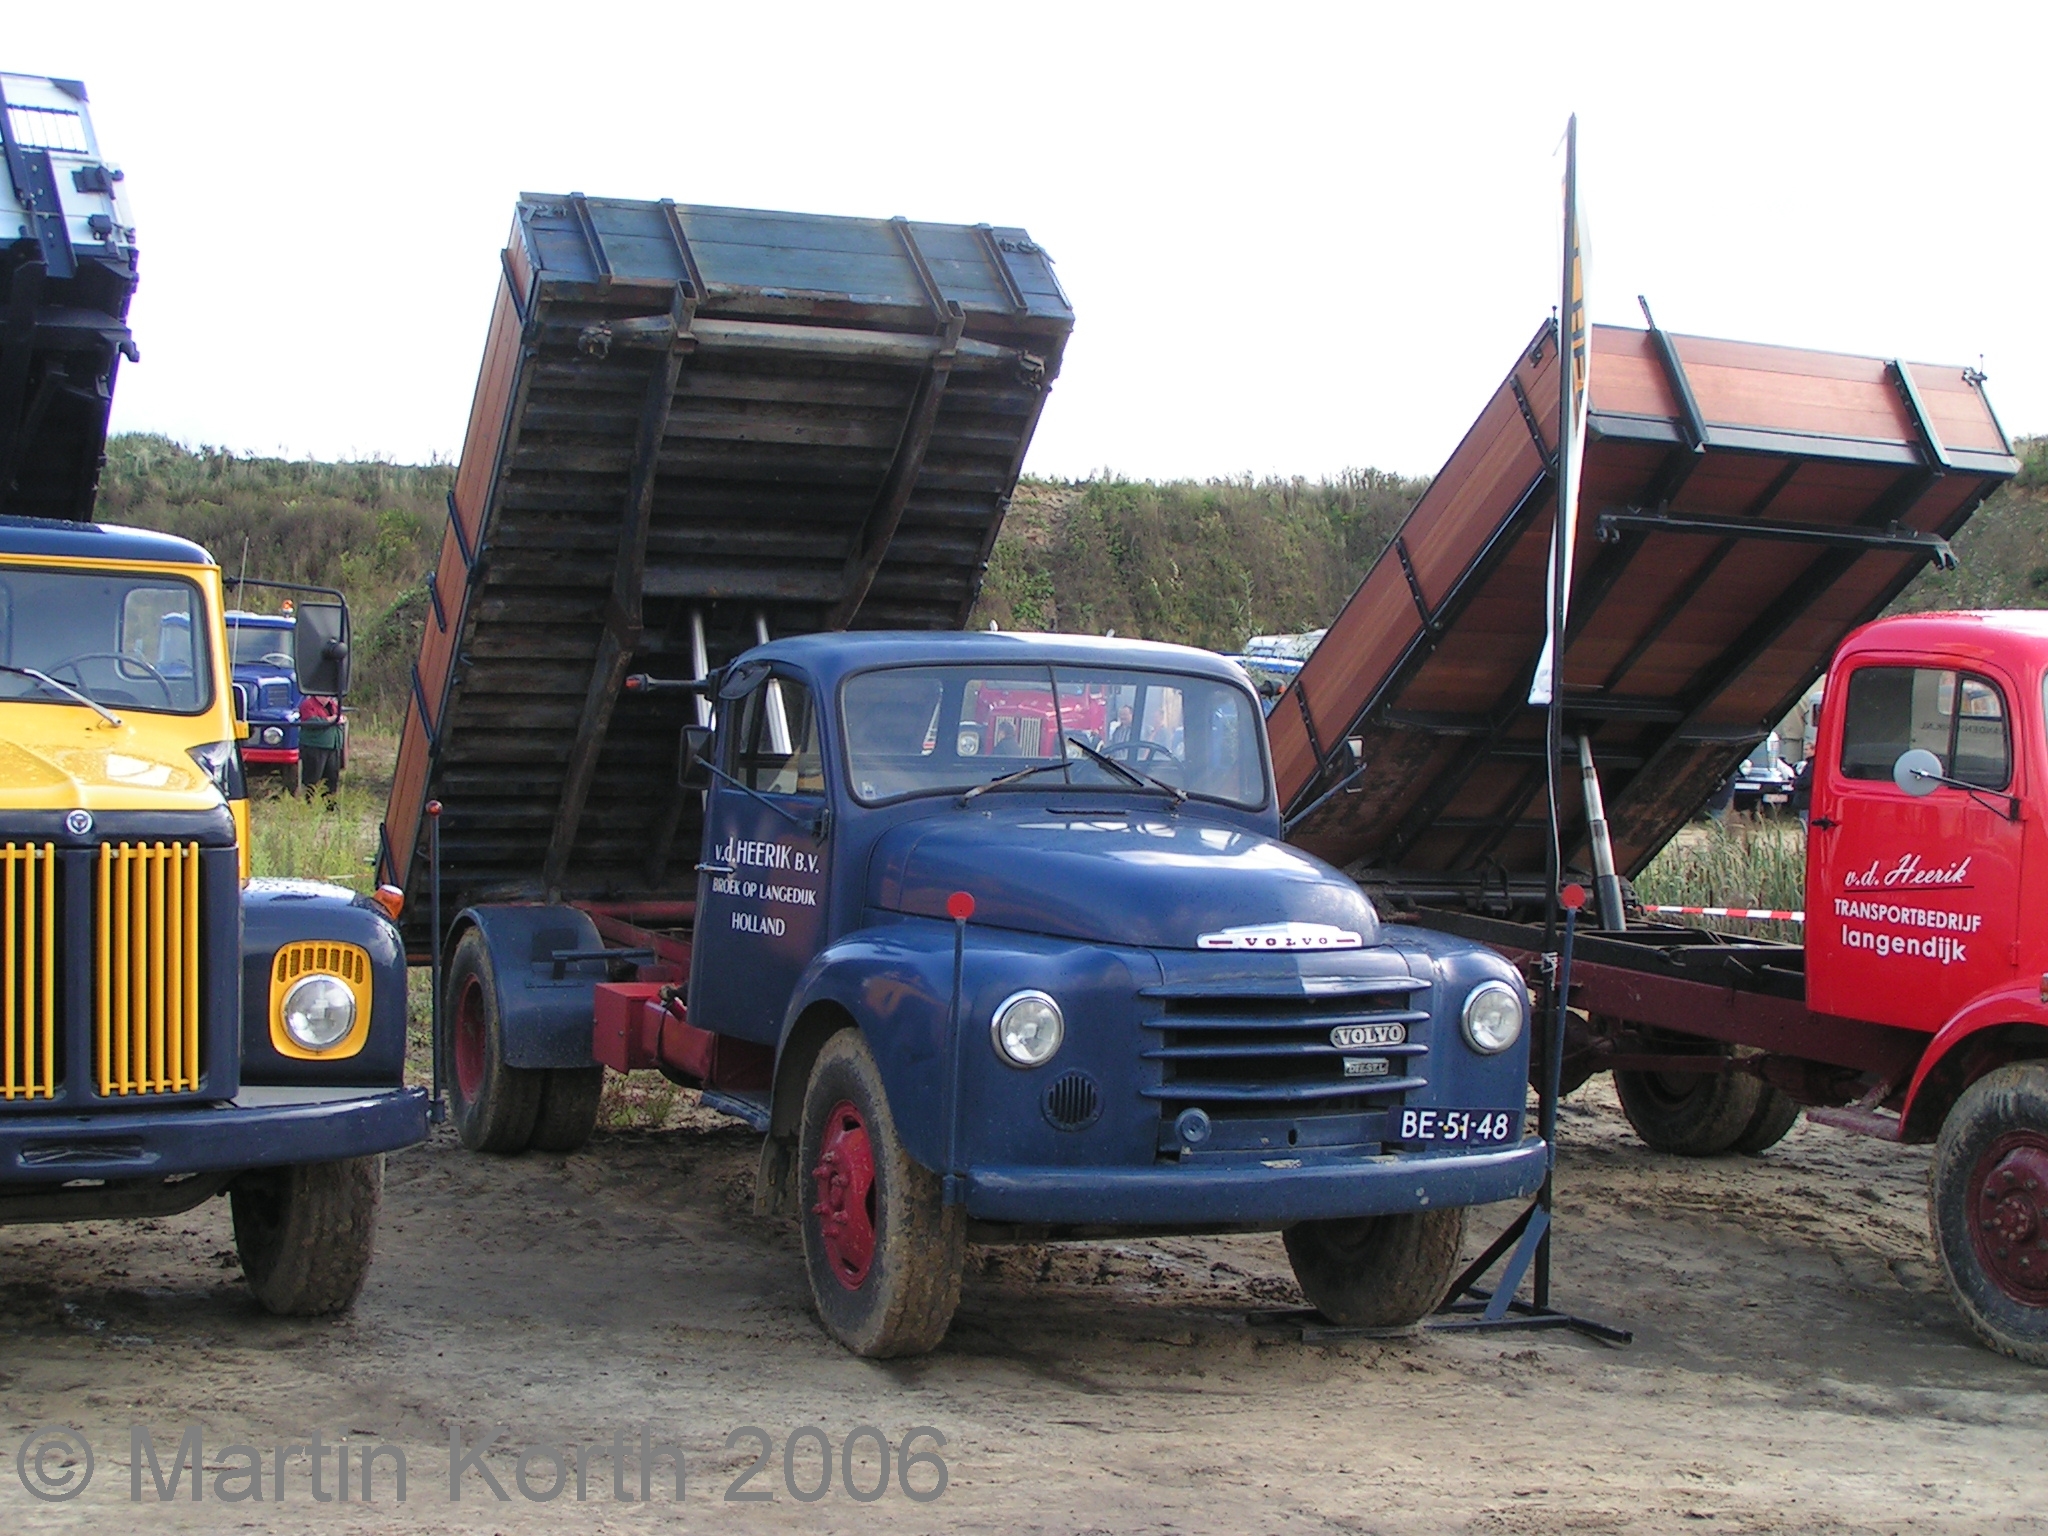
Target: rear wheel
{"points": [[1775, 1116], [1987, 1203], [883, 1249], [493, 1105], [1694, 1114], [1377, 1271], [305, 1234], [567, 1112]]}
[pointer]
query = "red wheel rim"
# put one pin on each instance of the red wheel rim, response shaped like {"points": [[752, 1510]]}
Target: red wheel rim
{"points": [[469, 1039], [2009, 1215], [845, 1210]]}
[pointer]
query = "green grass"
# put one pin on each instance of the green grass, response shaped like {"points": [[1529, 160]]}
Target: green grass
{"points": [[1744, 861], [316, 840]]}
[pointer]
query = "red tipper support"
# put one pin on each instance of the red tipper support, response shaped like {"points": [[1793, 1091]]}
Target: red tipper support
{"points": [[622, 1039]]}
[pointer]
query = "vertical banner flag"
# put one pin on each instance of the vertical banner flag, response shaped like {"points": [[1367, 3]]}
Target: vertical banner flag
{"points": [[1575, 338]]}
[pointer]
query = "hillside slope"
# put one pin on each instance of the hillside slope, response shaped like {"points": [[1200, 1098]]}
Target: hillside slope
{"points": [[1202, 562]]}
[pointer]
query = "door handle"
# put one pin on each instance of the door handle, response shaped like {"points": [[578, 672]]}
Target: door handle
{"points": [[1823, 823], [714, 869]]}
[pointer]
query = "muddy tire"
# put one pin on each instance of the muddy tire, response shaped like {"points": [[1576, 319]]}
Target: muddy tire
{"points": [[305, 1234], [883, 1249], [1987, 1193], [1775, 1116], [1694, 1114], [567, 1113], [1377, 1271], [493, 1105]]}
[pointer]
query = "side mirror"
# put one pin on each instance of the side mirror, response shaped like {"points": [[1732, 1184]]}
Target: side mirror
{"points": [[694, 769], [320, 647], [1918, 772]]}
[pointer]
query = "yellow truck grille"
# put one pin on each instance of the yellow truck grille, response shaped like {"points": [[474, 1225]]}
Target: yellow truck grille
{"points": [[146, 968], [28, 970]]}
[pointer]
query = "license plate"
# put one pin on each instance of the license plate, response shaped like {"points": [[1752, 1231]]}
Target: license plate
{"points": [[1455, 1127], [1366, 1066], [1776, 799], [1351, 1037]]}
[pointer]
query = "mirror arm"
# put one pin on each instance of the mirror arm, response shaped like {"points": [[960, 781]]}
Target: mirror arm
{"points": [[2010, 810]]}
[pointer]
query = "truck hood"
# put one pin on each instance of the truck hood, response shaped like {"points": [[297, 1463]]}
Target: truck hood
{"points": [[94, 767], [1162, 882]]}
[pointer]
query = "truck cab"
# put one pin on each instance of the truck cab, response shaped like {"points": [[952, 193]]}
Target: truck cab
{"points": [[267, 691], [996, 934], [173, 1030]]}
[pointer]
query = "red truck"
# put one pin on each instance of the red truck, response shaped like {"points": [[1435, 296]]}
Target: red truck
{"points": [[1748, 512]]}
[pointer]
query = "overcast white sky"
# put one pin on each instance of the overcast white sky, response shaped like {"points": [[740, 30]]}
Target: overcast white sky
{"points": [[1297, 237]]}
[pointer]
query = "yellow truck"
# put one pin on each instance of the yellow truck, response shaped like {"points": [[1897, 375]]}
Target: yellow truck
{"points": [[170, 1030]]}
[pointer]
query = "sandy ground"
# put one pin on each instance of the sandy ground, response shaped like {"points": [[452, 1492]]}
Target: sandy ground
{"points": [[1797, 1365]]}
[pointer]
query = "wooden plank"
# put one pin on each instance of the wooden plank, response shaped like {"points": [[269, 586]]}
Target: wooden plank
{"points": [[622, 625]]}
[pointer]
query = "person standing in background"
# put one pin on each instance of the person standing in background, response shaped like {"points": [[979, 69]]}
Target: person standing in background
{"points": [[320, 745]]}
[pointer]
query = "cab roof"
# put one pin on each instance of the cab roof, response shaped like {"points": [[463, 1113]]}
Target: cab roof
{"points": [[54, 538], [1980, 629], [831, 656]]}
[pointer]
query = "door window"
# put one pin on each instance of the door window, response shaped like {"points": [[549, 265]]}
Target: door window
{"points": [[778, 741], [1960, 718]]}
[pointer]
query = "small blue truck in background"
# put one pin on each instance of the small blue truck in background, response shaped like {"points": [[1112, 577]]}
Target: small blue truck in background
{"points": [[992, 936], [267, 689]]}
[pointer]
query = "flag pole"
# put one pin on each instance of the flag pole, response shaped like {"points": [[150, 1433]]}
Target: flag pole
{"points": [[1560, 576]]}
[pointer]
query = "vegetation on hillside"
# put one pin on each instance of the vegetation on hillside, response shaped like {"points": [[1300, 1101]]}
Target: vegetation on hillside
{"points": [[370, 528], [1203, 562]]}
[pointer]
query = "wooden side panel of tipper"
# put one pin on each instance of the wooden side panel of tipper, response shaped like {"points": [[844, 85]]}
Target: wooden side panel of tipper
{"points": [[1744, 508], [695, 420]]}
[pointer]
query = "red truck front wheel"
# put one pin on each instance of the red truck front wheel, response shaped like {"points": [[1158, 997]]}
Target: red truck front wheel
{"points": [[1987, 1202]]}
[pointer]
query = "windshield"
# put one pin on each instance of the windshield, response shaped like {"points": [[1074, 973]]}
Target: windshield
{"points": [[925, 730], [124, 640], [258, 645]]}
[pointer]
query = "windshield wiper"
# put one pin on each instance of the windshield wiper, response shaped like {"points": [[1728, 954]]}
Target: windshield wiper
{"points": [[66, 690], [1136, 776], [1011, 778]]}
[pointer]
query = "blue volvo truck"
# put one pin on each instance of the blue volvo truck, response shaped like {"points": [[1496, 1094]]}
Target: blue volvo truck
{"points": [[992, 937]]}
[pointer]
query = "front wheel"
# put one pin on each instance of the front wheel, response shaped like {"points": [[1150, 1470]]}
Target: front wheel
{"points": [[1377, 1271], [1987, 1203], [305, 1234], [883, 1248]]}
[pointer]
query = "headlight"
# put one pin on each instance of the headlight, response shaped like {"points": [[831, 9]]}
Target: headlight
{"points": [[1493, 1017], [1027, 1029], [223, 765], [272, 736], [319, 1011]]}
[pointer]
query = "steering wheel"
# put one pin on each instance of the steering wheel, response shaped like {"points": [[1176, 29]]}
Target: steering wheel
{"points": [[1141, 752], [276, 659], [120, 659]]}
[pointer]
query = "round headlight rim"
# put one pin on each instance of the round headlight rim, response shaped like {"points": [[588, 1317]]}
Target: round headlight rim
{"points": [[995, 1027], [1518, 999], [312, 978]]}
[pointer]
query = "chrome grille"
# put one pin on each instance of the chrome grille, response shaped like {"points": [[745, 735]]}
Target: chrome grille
{"points": [[1240, 1054]]}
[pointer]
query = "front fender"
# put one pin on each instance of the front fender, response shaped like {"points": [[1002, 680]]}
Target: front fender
{"points": [[276, 913], [895, 980], [896, 983], [1938, 1078]]}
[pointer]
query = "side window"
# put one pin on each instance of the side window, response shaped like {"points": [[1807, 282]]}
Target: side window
{"points": [[1959, 718], [778, 750]]}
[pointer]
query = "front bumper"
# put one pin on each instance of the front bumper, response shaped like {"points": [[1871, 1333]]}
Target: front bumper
{"points": [[261, 1128], [1273, 1192], [269, 757]]}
